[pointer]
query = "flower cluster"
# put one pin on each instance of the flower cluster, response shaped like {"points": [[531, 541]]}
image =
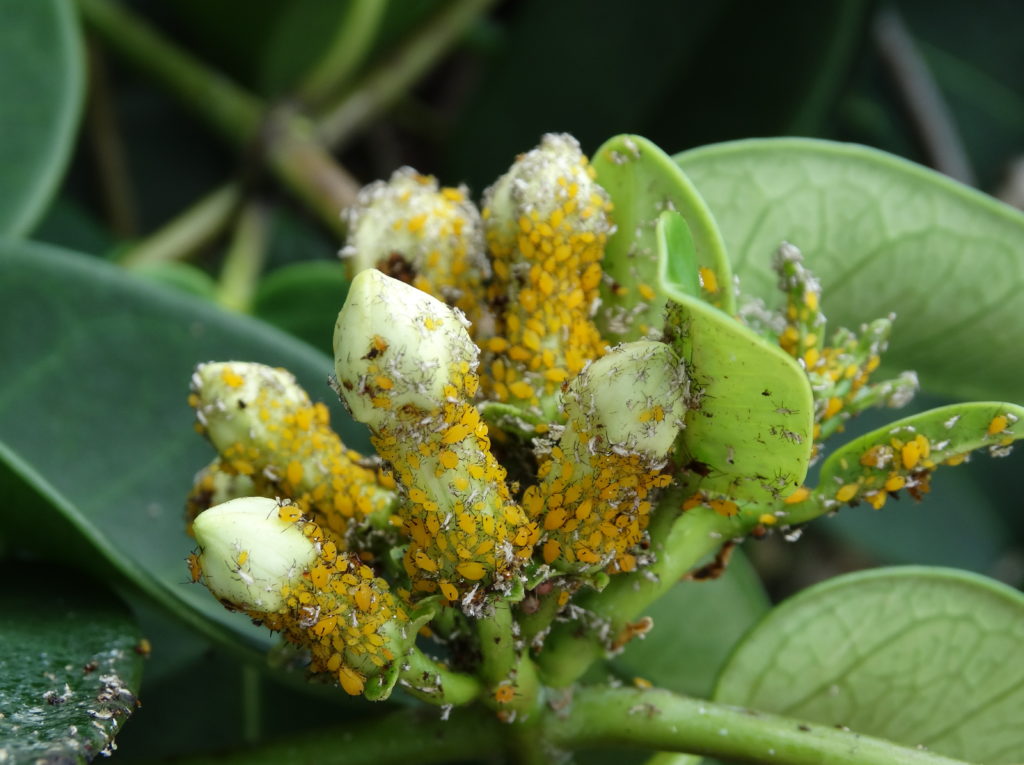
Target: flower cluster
{"points": [[519, 455]]}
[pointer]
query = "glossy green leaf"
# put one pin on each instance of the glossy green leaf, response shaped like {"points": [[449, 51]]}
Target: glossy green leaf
{"points": [[921, 656], [751, 411], [41, 88], [93, 409], [672, 235], [643, 181], [303, 299], [696, 625], [70, 665], [862, 467], [883, 235]]}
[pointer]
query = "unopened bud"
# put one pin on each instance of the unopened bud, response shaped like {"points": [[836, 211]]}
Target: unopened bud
{"points": [[597, 489], [547, 223], [428, 236]]}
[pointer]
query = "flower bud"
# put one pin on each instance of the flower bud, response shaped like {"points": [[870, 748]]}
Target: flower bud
{"points": [[406, 367], [623, 414], [547, 223], [251, 553], [428, 236], [264, 424], [292, 576]]}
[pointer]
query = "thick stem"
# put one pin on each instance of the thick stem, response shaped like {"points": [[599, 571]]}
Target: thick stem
{"points": [[227, 107], [425, 679], [659, 719], [497, 645], [411, 735], [569, 651], [387, 83], [351, 42], [289, 142]]}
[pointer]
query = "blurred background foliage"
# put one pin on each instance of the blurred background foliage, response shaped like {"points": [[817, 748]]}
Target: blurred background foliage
{"points": [[941, 84]]}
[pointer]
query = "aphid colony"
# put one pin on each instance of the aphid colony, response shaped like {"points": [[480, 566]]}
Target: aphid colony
{"points": [[452, 313]]}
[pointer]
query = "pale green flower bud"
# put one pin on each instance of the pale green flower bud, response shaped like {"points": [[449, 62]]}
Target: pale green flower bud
{"points": [[623, 414], [397, 349], [250, 552], [265, 426], [405, 367]]}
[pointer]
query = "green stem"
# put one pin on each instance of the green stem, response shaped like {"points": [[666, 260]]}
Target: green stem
{"points": [[399, 738], [291, 147], [569, 651], [220, 102], [425, 679], [189, 232], [243, 263], [674, 758], [497, 645], [659, 719], [346, 51], [386, 84]]}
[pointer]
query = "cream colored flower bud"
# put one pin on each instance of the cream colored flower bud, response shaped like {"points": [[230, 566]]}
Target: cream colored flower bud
{"points": [[397, 349], [432, 236], [251, 552]]}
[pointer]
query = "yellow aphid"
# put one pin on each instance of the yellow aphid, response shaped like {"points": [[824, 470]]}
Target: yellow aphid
{"points": [[289, 513], [799, 495], [998, 424], [847, 492], [351, 681], [708, 279]]}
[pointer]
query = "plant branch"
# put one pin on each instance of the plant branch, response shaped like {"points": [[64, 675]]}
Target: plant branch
{"points": [[289, 143], [381, 88], [410, 735], [351, 42], [931, 117], [243, 263], [224, 105], [426, 680], [189, 232], [679, 544], [659, 719]]}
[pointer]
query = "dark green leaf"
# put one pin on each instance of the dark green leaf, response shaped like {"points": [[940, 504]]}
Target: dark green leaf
{"points": [[93, 405], [921, 656], [643, 181], [751, 414], [70, 665], [884, 236], [303, 299], [41, 88], [181, 276], [695, 628]]}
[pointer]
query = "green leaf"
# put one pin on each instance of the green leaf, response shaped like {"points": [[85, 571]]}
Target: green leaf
{"points": [[70, 665], [861, 470], [93, 412], [883, 235], [303, 299], [41, 88], [921, 656], [643, 181], [181, 276], [696, 625], [672, 235], [751, 414]]}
